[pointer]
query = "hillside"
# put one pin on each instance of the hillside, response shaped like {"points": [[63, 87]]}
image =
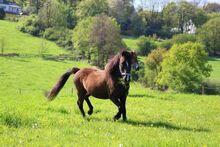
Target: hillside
{"points": [[18, 42]]}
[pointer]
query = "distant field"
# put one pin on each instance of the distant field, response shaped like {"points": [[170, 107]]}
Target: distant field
{"points": [[215, 74], [131, 42], [18, 42]]}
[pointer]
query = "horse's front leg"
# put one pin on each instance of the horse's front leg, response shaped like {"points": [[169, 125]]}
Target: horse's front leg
{"points": [[118, 104], [123, 108]]}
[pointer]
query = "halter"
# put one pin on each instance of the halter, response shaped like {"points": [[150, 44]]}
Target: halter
{"points": [[127, 76]]}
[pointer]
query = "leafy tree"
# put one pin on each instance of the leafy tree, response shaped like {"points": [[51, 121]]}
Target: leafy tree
{"points": [[91, 8], [105, 37], [124, 12], [169, 15], [97, 38], [209, 34], [185, 68], [145, 45], [81, 37], [53, 13], [152, 22], [212, 7], [178, 15], [30, 6]]}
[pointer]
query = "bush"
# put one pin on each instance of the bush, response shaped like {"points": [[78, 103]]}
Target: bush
{"points": [[2, 13], [183, 38], [62, 36], [29, 24], [145, 45], [184, 68], [153, 66], [166, 44]]}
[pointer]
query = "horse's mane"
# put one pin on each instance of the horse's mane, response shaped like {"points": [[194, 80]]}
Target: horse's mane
{"points": [[112, 64]]}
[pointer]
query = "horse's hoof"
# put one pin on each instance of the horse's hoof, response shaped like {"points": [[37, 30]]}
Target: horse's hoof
{"points": [[90, 112], [124, 119], [116, 117]]}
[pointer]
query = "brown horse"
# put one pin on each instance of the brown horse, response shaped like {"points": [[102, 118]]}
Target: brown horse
{"points": [[111, 83]]}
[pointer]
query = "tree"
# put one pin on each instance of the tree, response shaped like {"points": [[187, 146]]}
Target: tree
{"points": [[81, 37], [185, 68], [209, 34], [152, 22], [105, 37], [30, 6], [212, 7], [124, 13], [97, 38], [53, 14], [178, 15], [91, 8]]}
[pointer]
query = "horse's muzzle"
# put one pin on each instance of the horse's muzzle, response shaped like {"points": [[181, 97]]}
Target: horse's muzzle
{"points": [[136, 66]]}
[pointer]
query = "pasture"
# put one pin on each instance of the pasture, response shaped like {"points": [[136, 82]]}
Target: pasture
{"points": [[154, 118]]}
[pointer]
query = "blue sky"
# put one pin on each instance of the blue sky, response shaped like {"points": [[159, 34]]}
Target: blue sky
{"points": [[138, 2]]}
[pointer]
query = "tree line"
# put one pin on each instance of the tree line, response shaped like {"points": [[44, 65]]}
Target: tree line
{"points": [[61, 20]]}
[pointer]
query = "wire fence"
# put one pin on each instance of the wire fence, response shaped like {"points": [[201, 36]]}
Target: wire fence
{"points": [[70, 91]]}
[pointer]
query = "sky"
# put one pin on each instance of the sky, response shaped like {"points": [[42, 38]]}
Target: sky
{"points": [[138, 2]]}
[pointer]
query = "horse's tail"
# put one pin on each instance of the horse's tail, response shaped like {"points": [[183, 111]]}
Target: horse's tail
{"points": [[61, 82]]}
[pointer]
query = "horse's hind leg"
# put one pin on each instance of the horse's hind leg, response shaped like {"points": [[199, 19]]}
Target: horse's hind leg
{"points": [[80, 103], [89, 104]]}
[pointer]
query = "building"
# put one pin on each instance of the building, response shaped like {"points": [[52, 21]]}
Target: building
{"points": [[10, 7]]}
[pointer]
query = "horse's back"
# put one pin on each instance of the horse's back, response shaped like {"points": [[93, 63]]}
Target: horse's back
{"points": [[93, 82]]}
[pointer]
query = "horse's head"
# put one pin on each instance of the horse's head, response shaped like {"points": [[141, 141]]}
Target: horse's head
{"points": [[127, 60]]}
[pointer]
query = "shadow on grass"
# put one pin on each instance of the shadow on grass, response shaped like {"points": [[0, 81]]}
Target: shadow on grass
{"points": [[165, 125], [140, 96], [157, 124], [149, 96]]}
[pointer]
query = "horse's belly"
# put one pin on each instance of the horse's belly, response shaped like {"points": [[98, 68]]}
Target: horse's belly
{"points": [[102, 94]]}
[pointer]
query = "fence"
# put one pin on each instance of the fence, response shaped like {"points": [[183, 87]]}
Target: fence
{"points": [[205, 90]]}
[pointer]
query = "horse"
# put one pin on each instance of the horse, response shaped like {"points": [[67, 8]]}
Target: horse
{"points": [[110, 83]]}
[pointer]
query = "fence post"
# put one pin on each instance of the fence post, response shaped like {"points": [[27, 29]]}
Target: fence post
{"points": [[203, 89]]}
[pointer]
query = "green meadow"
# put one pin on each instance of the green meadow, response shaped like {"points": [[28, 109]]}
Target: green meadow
{"points": [[154, 118]]}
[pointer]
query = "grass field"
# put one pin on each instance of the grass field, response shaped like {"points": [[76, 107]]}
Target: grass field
{"points": [[215, 62], [18, 42], [131, 42], [154, 118]]}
